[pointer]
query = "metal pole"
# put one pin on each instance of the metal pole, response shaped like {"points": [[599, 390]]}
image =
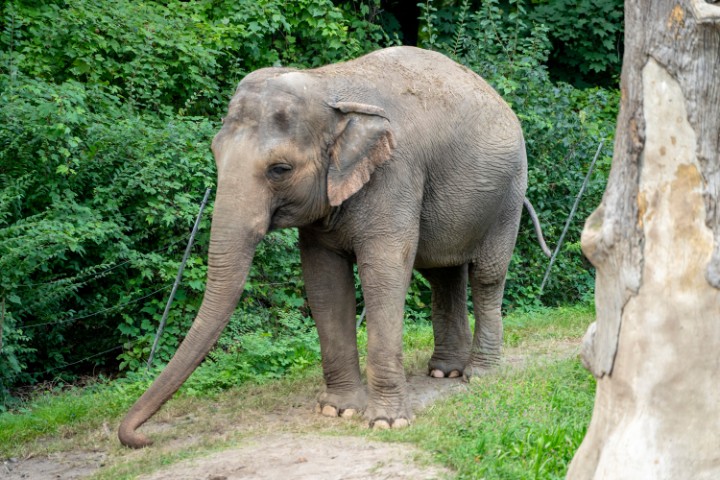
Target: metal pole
{"points": [[177, 278], [360, 320], [570, 217]]}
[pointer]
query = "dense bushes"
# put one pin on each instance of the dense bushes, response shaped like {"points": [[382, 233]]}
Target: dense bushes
{"points": [[584, 38], [97, 198], [107, 109], [587, 39]]}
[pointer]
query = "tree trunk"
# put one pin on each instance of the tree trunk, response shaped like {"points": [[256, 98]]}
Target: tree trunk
{"points": [[655, 241]]}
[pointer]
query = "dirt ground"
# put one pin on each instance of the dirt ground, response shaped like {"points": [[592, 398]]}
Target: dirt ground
{"points": [[279, 443], [288, 455], [304, 457], [281, 457], [63, 466]]}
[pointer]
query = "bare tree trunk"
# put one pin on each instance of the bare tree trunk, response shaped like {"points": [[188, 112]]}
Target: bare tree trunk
{"points": [[655, 241]]}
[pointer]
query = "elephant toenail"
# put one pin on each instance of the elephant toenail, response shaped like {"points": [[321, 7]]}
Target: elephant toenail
{"points": [[329, 411], [437, 373], [380, 424], [400, 423], [348, 412], [454, 374]]}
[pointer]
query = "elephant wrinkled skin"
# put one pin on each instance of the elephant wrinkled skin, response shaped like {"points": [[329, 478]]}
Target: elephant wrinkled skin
{"points": [[397, 160]]}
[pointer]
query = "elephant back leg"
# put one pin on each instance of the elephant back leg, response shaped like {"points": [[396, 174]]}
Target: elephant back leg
{"points": [[449, 319], [487, 275]]}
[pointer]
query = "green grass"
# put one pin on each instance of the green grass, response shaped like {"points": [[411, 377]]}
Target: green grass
{"points": [[519, 423], [523, 422], [76, 409], [546, 324]]}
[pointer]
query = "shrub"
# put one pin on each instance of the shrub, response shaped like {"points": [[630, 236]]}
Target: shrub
{"points": [[96, 199], [587, 39], [107, 110]]}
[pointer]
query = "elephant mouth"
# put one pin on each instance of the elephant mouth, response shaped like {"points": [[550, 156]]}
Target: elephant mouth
{"points": [[290, 214], [278, 219]]}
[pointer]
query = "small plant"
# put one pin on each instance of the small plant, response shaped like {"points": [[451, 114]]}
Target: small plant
{"points": [[258, 355]]}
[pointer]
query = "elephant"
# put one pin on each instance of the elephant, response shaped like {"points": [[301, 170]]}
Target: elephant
{"points": [[401, 159]]}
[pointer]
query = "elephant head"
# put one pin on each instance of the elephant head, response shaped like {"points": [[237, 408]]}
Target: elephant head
{"points": [[289, 151]]}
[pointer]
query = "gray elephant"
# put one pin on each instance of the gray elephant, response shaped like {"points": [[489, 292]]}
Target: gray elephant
{"points": [[397, 160]]}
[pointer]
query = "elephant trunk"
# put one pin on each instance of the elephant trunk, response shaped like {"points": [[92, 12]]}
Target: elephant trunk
{"points": [[229, 259]]}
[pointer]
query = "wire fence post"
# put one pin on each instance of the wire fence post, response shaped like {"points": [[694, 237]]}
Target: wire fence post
{"points": [[362, 317], [570, 217], [177, 279]]}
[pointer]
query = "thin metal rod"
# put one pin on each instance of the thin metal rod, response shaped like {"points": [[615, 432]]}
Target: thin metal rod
{"points": [[177, 278], [570, 217], [360, 320]]}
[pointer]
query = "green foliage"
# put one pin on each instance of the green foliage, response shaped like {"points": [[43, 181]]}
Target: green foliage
{"points": [[107, 110], [97, 197], [186, 56], [562, 125], [583, 41], [244, 354], [587, 38], [148, 56], [301, 33]]}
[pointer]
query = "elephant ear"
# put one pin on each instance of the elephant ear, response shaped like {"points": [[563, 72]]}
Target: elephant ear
{"points": [[363, 142]]}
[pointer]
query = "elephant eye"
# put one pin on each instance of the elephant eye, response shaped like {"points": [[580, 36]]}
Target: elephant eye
{"points": [[278, 170]]}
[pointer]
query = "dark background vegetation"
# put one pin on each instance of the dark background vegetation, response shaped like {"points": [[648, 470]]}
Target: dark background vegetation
{"points": [[107, 109]]}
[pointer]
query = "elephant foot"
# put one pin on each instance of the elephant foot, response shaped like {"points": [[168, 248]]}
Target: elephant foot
{"points": [[446, 368], [437, 373], [331, 411], [382, 423], [344, 405], [380, 418], [481, 366]]}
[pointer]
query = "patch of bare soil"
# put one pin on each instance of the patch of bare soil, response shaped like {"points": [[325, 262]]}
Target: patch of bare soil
{"points": [[65, 466], [305, 457]]}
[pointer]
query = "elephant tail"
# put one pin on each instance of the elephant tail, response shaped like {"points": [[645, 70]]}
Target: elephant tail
{"points": [[538, 229]]}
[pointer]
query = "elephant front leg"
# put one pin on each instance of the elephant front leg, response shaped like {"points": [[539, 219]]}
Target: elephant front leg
{"points": [[331, 294], [450, 320], [385, 276]]}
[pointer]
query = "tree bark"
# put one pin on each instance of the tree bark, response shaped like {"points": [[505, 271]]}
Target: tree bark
{"points": [[655, 242]]}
